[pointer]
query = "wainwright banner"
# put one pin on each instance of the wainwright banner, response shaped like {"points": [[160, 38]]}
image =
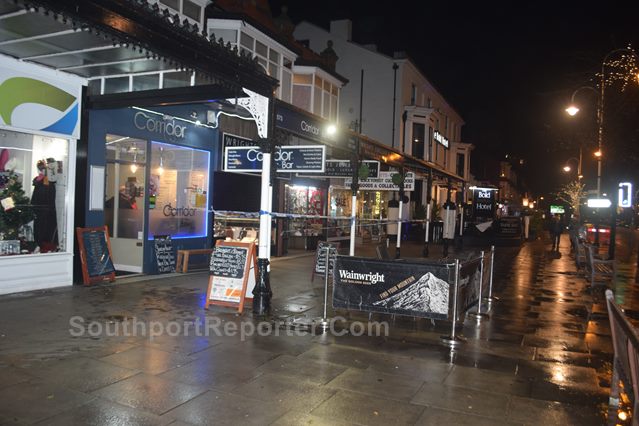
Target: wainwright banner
{"points": [[403, 288]]}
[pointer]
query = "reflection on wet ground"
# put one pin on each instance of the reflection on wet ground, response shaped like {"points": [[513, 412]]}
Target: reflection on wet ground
{"points": [[543, 356]]}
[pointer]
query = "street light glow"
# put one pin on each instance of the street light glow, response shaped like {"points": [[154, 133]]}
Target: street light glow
{"points": [[572, 110], [598, 153], [567, 169], [331, 129]]}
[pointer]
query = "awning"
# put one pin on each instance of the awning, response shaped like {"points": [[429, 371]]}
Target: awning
{"points": [[110, 38]]}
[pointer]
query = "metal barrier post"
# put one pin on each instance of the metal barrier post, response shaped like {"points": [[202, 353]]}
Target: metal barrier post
{"points": [[323, 321], [479, 315], [490, 297], [453, 339]]}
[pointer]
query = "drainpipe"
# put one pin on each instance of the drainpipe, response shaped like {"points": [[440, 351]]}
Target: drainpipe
{"points": [[395, 66]]}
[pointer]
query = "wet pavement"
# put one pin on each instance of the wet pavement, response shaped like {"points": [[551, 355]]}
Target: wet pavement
{"points": [[543, 356]]}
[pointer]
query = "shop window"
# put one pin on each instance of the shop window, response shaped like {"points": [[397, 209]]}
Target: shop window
{"points": [[317, 101], [174, 4], [228, 36], [178, 191], [285, 86], [302, 97], [261, 49], [306, 200], [33, 194], [419, 131], [146, 82], [191, 10], [246, 41], [302, 79], [461, 161], [176, 79], [116, 85]]}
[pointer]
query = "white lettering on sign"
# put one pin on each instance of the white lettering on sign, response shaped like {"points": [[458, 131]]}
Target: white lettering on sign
{"points": [[483, 206], [384, 182], [360, 278], [483, 194], [309, 128], [169, 128], [440, 138]]}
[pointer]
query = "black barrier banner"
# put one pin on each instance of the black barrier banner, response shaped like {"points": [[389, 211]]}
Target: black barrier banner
{"points": [[403, 288], [468, 284]]}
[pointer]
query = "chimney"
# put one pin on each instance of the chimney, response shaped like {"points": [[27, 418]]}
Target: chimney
{"points": [[342, 28]]}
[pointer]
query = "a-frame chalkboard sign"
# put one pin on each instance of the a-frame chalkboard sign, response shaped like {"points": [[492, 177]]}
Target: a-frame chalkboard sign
{"points": [[233, 272], [95, 254]]}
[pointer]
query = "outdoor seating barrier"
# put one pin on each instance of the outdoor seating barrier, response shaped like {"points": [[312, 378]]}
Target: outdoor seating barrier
{"points": [[439, 290], [597, 267], [625, 363], [580, 252]]}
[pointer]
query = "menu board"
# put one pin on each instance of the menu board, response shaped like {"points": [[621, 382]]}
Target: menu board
{"points": [[95, 254], [164, 256], [320, 258], [233, 269]]}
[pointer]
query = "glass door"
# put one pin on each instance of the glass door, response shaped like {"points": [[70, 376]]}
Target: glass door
{"points": [[125, 201]]}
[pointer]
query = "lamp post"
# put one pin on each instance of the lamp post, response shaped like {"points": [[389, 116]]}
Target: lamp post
{"points": [[572, 110], [567, 167]]}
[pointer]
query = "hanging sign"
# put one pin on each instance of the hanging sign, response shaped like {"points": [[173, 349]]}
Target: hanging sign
{"points": [[294, 158], [233, 272], [403, 288], [344, 168], [95, 254], [384, 182], [164, 256]]}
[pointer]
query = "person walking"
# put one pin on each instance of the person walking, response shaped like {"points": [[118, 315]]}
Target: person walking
{"points": [[556, 228]]}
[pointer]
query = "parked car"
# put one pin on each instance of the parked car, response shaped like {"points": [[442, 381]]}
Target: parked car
{"points": [[588, 230]]}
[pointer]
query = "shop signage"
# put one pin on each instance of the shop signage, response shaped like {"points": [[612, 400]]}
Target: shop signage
{"points": [[625, 195], [299, 123], [510, 226], [35, 98], [440, 138], [294, 158], [384, 182], [233, 272], [483, 202], [94, 246], [232, 140], [343, 168], [320, 258], [415, 289], [164, 256], [170, 128]]}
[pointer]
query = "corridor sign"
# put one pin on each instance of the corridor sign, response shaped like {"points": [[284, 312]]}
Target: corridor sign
{"points": [[293, 158]]}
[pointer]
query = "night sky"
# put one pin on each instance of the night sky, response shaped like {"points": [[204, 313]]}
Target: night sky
{"points": [[510, 70]]}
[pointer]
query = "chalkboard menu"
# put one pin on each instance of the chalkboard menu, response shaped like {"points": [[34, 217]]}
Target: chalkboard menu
{"points": [[320, 258], [232, 268], [95, 254], [510, 226], [164, 256]]}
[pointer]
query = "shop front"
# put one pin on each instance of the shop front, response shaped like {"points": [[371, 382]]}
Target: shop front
{"points": [[156, 166], [39, 128]]}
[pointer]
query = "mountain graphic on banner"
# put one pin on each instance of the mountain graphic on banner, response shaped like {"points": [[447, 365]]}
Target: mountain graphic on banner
{"points": [[428, 294]]}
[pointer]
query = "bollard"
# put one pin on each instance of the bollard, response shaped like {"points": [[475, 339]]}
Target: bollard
{"points": [[479, 315], [454, 340], [490, 297]]}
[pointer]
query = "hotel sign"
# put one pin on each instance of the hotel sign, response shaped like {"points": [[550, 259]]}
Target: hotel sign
{"points": [[440, 138]]}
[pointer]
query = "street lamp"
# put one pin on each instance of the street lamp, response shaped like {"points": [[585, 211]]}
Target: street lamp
{"points": [[628, 55], [567, 167]]}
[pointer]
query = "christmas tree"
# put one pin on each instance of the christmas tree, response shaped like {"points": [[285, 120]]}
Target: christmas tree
{"points": [[15, 210]]}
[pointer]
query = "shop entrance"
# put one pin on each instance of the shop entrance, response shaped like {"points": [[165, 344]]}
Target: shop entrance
{"points": [[124, 204]]}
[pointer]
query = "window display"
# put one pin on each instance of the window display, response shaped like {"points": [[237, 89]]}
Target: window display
{"points": [[178, 191], [33, 189], [306, 200]]}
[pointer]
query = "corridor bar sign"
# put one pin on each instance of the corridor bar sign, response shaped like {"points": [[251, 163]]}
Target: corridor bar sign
{"points": [[404, 288], [95, 254], [293, 158], [232, 270]]}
